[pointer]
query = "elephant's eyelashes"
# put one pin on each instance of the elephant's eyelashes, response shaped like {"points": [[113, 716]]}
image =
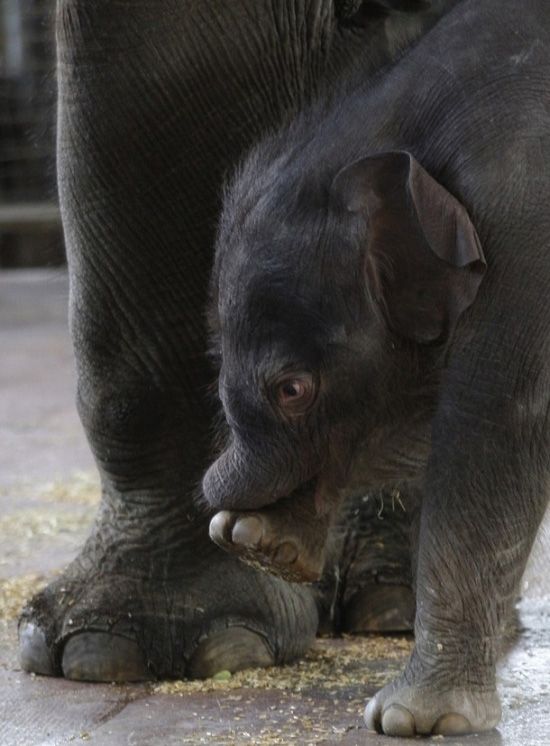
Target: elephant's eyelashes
{"points": [[295, 392]]}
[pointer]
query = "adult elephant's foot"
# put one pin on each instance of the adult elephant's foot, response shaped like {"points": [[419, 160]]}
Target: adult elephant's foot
{"points": [[406, 709], [380, 608], [367, 584], [169, 610]]}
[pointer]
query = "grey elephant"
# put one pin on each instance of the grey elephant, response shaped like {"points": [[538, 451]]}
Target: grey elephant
{"points": [[380, 315], [157, 102]]}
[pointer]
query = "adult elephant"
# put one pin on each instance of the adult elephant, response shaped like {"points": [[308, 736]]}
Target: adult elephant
{"points": [[157, 101]]}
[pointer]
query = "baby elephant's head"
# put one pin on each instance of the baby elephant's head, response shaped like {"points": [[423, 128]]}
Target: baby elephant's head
{"points": [[328, 289]]}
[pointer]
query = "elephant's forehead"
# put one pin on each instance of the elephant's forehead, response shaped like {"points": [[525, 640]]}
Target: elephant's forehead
{"points": [[264, 271], [279, 232], [268, 294]]}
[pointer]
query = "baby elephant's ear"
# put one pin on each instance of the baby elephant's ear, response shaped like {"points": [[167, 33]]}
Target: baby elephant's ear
{"points": [[424, 261]]}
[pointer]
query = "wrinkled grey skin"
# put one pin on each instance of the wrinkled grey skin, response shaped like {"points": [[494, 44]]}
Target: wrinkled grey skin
{"points": [[332, 237], [157, 102]]}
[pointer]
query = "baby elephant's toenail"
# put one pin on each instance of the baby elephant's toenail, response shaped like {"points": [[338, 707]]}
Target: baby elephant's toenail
{"points": [[248, 531], [452, 724], [219, 528], [398, 721], [286, 553]]}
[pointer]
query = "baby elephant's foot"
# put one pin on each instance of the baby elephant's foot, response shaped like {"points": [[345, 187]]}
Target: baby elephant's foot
{"points": [[275, 540], [406, 710]]}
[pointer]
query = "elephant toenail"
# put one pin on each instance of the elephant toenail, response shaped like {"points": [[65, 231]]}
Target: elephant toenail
{"points": [[230, 649], [99, 656], [220, 527], [34, 654], [452, 724], [398, 721], [371, 716], [248, 531], [286, 553]]}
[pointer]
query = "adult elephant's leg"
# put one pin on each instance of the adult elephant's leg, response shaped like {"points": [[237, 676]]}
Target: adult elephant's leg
{"points": [[368, 584], [156, 101]]}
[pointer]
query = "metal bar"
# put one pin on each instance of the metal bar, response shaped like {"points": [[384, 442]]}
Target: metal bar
{"points": [[29, 216]]}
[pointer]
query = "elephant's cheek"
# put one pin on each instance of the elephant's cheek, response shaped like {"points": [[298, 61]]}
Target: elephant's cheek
{"points": [[324, 497]]}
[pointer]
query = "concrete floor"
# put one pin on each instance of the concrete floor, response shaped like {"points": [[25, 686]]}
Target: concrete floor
{"points": [[48, 494]]}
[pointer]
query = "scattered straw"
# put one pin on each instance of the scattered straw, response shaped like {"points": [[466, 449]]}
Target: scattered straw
{"points": [[327, 666], [15, 592], [82, 488], [319, 699], [31, 523]]}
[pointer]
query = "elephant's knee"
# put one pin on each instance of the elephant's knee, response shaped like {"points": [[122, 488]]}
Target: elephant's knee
{"points": [[141, 434], [121, 412], [128, 426]]}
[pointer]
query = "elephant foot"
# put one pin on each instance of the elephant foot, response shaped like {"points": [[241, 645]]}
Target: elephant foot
{"points": [[287, 538], [98, 622], [407, 710], [267, 539], [380, 608], [88, 656], [367, 585]]}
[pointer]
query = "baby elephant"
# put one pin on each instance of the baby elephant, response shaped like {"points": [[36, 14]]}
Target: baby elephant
{"points": [[380, 311]]}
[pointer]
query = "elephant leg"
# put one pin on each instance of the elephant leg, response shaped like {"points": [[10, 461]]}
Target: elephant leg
{"points": [[368, 583], [156, 101], [362, 554], [485, 496]]}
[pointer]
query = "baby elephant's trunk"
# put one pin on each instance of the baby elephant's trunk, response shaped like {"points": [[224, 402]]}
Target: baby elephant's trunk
{"points": [[241, 480]]}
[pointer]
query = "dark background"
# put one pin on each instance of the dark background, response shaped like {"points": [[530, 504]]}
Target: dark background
{"points": [[30, 231]]}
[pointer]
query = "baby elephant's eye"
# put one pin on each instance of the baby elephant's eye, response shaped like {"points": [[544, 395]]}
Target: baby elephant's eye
{"points": [[295, 392]]}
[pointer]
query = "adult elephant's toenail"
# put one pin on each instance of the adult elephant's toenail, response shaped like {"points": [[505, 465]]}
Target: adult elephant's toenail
{"points": [[248, 531], [34, 654], [229, 650], [452, 724], [371, 715], [286, 553], [380, 607], [398, 721], [99, 656]]}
